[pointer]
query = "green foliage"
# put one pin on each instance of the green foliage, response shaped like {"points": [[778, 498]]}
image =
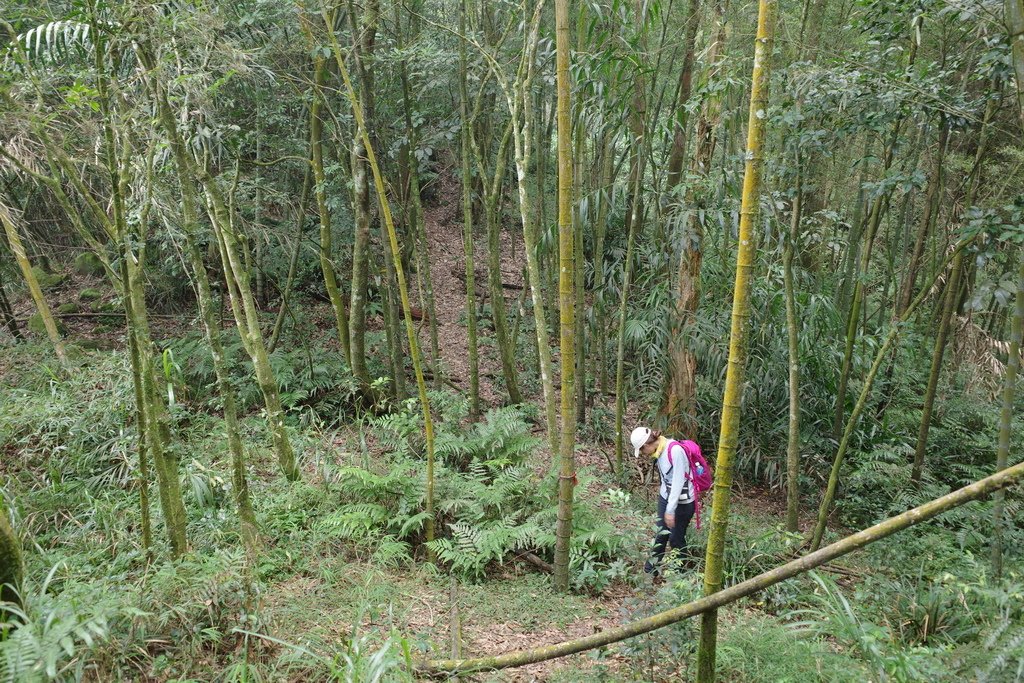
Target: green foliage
{"points": [[760, 649], [320, 382], [52, 633], [831, 614]]}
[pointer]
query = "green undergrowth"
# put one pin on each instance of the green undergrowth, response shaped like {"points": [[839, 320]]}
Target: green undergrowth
{"points": [[341, 590]]}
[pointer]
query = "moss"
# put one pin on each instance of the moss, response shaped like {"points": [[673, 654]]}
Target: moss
{"points": [[90, 294], [11, 567], [104, 307], [69, 307], [87, 263], [48, 281], [36, 326]]}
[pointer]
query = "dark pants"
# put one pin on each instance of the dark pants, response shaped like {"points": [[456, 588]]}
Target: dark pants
{"points": [[676, 536]]}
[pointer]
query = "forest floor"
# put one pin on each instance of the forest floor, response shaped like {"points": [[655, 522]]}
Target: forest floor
{"points": [[327, 593]]}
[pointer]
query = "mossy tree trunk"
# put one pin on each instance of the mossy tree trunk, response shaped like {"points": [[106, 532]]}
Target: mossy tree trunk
{"points": [[403, 289], [416, 225], [248, 323], [18, 249], [364, 33], [523, 120], [12, 567], [190, 202], [341, 318], [732, 401], [567, 300]]}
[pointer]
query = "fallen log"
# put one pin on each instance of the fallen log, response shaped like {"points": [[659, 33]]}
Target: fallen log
{"points": [[922, 513]]}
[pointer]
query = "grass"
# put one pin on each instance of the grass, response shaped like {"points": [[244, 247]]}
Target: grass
{"points": [[317, 605]]}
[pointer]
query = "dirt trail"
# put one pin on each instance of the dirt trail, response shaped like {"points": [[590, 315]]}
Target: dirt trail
{"points": [[447, 262]]}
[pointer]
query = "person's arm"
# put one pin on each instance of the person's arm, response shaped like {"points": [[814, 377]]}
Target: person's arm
{"points": [[680, 468]]}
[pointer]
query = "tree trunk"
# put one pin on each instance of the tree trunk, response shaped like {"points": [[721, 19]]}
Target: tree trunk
{"points": [[7, 312], [567, 321], [1014, 11], [247, 320], [680, 406], [316, 156], [928, 215], [731, 402], [492, 191], [364, 39], [521, 106], [403, 290], [833, 481], [417, 225], [157, 431], [467, 221], [793, 338], [677, 154], [711, 603], [293, 266], [632, 222], [12, 568], [18, 249]]}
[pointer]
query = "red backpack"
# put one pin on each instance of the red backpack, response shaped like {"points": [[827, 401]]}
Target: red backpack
{"points": [[700, 471]]}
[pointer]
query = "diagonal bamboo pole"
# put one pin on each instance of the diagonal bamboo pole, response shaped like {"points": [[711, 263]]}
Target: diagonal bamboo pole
{"points": [[996, 482], [396, 255]]}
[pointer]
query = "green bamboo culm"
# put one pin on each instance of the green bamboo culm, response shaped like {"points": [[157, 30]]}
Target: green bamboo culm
{"points": [[1015, 25], [566, 297], [1006, 420], [467, 221], [11, 565], [869, 380], [1011, 476], [731, 403], [403, 289], [18, 249]]}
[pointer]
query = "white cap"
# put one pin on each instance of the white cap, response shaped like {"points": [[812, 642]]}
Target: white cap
{"points": [[638, 438]]}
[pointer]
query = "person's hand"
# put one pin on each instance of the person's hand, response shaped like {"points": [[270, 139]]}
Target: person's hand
{"points": [[670, 520]]}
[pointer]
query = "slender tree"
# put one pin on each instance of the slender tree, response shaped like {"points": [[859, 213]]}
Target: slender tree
{"points": [[323, 208], [793, 346], [21, 257], [566, 298], [731, 403], [396, 258], [465, 144], [1015, 26], [12, 566], [190, 201]]}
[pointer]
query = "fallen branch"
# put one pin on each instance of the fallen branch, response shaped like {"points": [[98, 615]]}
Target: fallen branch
{"points": [[538, 562], [483, 276], [922, 513]]}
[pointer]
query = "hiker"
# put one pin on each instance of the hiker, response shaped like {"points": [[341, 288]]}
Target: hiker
{"points": [[680, 486]]}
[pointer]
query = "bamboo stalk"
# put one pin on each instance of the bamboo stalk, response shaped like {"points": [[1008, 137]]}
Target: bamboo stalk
{"points": [[922, 513], [403, 289], [733, 398], [566, 297]]}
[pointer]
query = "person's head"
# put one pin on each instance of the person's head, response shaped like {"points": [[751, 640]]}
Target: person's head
{"points": [[644, 441]]}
